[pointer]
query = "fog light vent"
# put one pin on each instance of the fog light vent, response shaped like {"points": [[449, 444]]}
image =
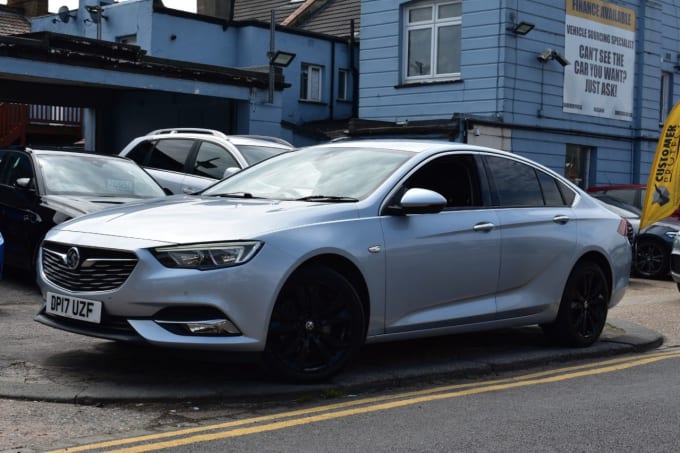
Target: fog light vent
{"points": [[207, 327]]}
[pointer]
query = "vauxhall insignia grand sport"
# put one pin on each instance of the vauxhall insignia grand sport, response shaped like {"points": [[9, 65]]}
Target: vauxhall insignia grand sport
{"points": [[306, 256]]}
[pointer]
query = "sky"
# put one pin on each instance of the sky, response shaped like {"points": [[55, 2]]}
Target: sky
{"points": [[53, 5]]}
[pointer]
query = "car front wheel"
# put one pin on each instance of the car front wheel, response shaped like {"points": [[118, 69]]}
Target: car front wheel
{"points": [[316, 327], [583, 309]]}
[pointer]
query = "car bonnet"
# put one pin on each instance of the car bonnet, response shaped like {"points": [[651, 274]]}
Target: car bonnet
{"points": [[191, 219]]}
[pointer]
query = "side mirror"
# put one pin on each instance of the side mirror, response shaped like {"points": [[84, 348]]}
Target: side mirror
{"points": [[418, 201], [25, 183], [230, 171]]}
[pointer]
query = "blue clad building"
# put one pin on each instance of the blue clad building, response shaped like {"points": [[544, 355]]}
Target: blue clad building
{"points": [[582, 86]]}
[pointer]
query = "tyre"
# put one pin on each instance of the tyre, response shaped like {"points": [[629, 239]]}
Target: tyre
{"points": [[316, 327], [583, 308], [651, 259]]}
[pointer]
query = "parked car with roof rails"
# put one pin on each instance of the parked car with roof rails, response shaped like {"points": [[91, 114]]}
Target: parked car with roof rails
{"points": [[187, 160], [40, 188], [653, 245], [309, 254]]}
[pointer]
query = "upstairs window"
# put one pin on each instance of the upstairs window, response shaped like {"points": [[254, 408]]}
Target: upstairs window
{"points": [[310, 85], [665, 97], [432, 41]]}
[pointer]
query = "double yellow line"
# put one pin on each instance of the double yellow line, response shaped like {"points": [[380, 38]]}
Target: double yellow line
{"points": [[261, 424]]}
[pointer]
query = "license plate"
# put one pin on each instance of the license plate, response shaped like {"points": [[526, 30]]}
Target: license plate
{"points": [[74, 307]]}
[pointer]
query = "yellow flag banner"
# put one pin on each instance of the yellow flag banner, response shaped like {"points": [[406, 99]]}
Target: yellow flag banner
{"points": [[663, 186]]}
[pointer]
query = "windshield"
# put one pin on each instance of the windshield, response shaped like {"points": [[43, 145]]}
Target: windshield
{"points": [[96, 176], [254, 154], [315, 174]]}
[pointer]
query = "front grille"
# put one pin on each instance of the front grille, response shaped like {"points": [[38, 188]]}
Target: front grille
{"points": [[98, 270]]}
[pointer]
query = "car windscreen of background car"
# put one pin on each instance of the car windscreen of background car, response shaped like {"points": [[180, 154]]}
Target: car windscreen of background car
{"points": [[104, 177], [255, 153]]}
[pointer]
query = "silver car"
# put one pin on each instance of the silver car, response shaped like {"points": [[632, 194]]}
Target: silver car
{"points": [[308, 255], [187, 160]]}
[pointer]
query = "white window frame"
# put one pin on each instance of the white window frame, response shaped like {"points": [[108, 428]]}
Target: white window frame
{"points": [[314, 85], [127, 39], [343, 85], [433, 24], [665, 97]]}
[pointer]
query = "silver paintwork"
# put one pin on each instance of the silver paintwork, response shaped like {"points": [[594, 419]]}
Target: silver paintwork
{"points": [[426, 274]]}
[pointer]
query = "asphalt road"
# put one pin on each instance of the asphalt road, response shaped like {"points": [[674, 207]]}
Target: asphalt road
{"points": [[36, 425], [654, 304]]}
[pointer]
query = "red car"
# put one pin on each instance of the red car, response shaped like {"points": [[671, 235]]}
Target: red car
{"points": [[632, 194]]}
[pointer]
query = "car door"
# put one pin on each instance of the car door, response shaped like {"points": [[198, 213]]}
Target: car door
{"points": [[442, 269], [210, 163], [167, 162], [21, 219], [538, 235]]}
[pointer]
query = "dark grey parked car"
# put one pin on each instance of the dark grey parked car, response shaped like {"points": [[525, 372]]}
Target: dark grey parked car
{"points": [[42, 188], [653, 245]]}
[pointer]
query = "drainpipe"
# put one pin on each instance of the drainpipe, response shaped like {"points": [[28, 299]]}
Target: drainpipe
{"points": [[331, 104], [355, 73]]}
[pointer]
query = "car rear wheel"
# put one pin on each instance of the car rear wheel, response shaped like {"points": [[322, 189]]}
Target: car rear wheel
{"points": [[651, 259], [316, 327], [583, 309]]}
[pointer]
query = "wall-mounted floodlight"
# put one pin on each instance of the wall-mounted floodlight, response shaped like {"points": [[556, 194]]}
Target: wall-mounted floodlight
{"points": [[277, 58], [549, 54], [96, 15], [280, 58], [521, 28]]}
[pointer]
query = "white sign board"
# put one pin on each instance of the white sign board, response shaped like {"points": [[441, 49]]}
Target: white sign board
{"points": [[599, 43]]}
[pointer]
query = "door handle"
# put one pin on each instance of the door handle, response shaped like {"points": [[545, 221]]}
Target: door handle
{"points": [[561, 219], [483, 227]]}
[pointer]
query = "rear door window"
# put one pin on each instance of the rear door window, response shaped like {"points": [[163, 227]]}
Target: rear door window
{"points": [[520, 185], [170, 154], [516, 183], [212, 160]]}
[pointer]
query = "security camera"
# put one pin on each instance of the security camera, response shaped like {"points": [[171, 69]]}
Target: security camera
{"points": [[546, 55], [560, 59]]}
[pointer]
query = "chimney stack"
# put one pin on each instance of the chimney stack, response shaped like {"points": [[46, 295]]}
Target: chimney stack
{"points": [[224, 9], [30, 8]]}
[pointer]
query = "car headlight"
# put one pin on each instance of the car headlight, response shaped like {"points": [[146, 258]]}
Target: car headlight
{"points": [[207, 256]]}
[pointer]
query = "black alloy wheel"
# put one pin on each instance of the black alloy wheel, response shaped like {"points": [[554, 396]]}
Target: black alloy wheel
{"points": [[316, 327], [583, 310], [651, 259]]}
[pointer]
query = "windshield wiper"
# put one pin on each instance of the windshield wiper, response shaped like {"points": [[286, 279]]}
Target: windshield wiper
{"points": [[331, 198], [237, 195]]}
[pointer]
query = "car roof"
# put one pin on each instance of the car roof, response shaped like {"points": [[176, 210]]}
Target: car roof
{"points": [[201, 133], [62, 151], [416, 145], [89, 154]]}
